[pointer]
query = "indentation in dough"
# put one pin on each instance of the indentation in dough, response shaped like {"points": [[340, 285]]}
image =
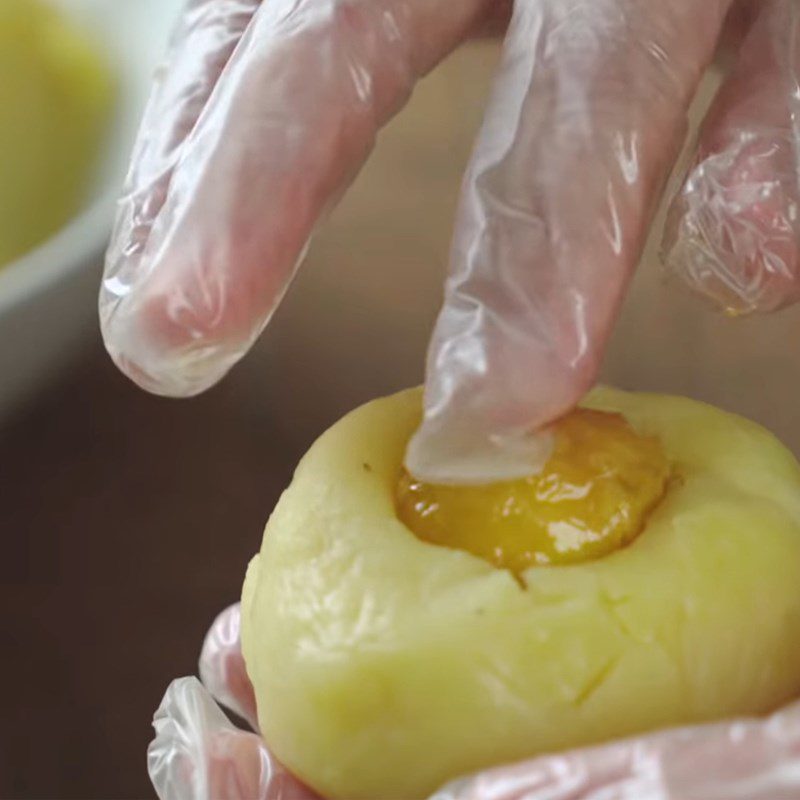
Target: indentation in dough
{"points": [[595, 682]]}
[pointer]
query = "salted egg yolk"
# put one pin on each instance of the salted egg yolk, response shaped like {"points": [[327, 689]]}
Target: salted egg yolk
{"points": [[592, 497]]}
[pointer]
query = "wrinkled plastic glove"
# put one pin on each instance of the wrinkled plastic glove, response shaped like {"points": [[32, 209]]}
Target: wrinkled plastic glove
{"points": [[198, 754], [264, 112]]}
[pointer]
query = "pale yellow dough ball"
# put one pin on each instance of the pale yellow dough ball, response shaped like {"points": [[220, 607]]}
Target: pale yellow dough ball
{"points": [[384, 666]]}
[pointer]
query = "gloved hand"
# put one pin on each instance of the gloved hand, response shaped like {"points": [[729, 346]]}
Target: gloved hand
{"points": [[198, 754], [264, 113]]}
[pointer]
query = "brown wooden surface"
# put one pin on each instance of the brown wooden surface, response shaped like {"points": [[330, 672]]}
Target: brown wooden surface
{"points": [[127, 524]]}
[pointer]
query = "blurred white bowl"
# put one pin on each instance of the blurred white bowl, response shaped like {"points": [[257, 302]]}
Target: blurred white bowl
{"points": [[48, 297]]}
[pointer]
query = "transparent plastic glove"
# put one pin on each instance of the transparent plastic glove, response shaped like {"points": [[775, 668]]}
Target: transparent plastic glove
{"points": [[264, 112], [259, 119], [734, 228], [741, 760], [199, 755]]}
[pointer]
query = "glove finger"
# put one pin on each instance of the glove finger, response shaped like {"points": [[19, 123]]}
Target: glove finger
{"points": [[197, 754], [733, 230], [280, 139], [201, 45], [742, 760], [222, 668], [587, 113]]}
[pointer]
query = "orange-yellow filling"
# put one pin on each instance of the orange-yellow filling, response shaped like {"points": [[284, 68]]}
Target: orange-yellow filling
{"points": [[592, 497]]}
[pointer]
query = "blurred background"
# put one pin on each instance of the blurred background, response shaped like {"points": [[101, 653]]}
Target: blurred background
{"points": [[128, 520]]}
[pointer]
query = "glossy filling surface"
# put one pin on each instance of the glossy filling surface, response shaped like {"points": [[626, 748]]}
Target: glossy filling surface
{"points": [[592, 497]]}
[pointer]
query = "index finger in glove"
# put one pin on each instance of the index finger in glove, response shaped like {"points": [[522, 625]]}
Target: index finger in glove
{"points": [[586, 117], [193, 277]]}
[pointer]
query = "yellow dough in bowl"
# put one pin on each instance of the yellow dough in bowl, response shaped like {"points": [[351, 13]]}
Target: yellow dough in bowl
{"points": [[56, 102], [385, 665]]}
